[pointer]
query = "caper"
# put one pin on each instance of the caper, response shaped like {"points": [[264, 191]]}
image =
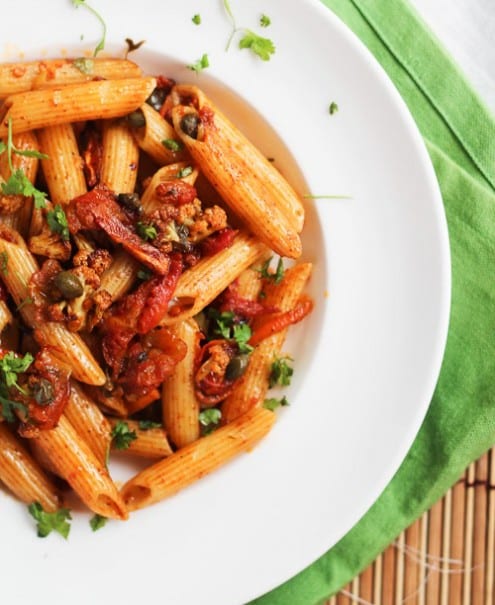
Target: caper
{"points": [[43, 392], [70, 285], [136, 119], [189, 125], [157, 98], [237, 366], [130, 201]]}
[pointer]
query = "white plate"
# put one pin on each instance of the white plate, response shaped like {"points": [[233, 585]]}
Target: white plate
{"points": [[367, 359]]}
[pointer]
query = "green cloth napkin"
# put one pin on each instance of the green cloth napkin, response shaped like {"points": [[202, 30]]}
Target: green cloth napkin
{"points": [[460, 425]]}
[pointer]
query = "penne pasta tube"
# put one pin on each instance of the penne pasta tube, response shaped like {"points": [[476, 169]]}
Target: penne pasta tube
{"points": [[101, 99], [149, 442], [180, 408], [245, 179], [22, 77], [67, 346], [158, 138], [203, 282], [23, 475], [88, 421], [5, 315], [251, 388], [74, 460], [196, 460], [120, 158]]}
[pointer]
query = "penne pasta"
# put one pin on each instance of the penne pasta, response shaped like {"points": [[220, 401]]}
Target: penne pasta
{"points": [[120, 158], [180, 407], [251, 388], [148, 442], [74, 460], [22, 77], [23, 475], [95, 100], [196, 460]]}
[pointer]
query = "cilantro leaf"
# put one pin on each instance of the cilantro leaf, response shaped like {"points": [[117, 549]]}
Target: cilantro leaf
{"points": [[48, 522], [11, 365], [122, 436], [281, 372], [57, 222], [265, 21], [97, 522], [242, 334], [146, 231], [209, 419], [263, 47], [101, 44], [224, 322], [19, 184], [146, 425], [196, 19], [200, 64], [272, 404]]}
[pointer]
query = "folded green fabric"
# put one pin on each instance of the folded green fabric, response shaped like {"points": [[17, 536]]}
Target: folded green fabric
{"points": [[460, 424]]}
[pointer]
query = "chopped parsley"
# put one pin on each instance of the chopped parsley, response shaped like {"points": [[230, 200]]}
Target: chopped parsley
{"points": [[200, 64], [223, 322], [226, 327], [11, 365], [281, 372], [196, 19], [147, 425], [242, 334], [183, 172], [172, 144], [272, 404], [4, 263], [333, 108], [101, 44], [146, 231], [48, 522], [97, 522], [84, 65], [122, 436], [274, 276], [264, 48], [57, 222], [265, 21], [209, 419]]}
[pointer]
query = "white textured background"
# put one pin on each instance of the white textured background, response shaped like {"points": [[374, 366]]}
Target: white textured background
{"points": [[467, 30]]}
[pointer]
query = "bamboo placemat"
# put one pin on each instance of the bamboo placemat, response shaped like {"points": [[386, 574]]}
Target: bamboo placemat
{"points": [[447, 557]]}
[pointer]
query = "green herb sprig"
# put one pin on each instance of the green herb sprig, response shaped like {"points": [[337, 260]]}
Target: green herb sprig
{"points": [[101, 44], [264, 48], [48, 522]]}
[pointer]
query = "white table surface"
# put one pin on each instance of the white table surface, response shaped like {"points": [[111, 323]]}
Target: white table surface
{"points": [[467, 30]]}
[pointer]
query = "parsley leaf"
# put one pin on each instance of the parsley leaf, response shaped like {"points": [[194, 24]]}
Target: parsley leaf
{"points": [[146, 231], [272, 404], [11, 365], [265, 21], [277, 276], [7, 407], [209, 419], [84, 65], [19, 184], [224, 322], [97, 522], [263, 47], [200, 64], [242, 334], [196, 19], [57, 222], [48, 522], [172, 144], [146, 425], [333, 108], [183, 172], [281, 372], [122, 436], [101, 44]]}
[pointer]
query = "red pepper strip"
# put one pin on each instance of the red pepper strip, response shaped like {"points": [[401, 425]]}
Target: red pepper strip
{"points": [[160, 290], [218, 241], [280, 321], [98, 209]]}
